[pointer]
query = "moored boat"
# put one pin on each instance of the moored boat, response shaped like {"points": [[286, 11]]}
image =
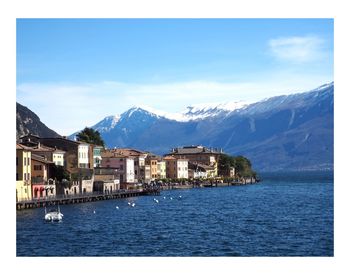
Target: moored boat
{"points": [[53, 215]]}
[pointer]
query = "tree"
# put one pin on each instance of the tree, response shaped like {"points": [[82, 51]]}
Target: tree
{"points": [[91, 136], [242, 165], [59, 173]]}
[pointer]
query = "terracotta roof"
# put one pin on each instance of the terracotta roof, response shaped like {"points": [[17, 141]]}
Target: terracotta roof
{"points": [[169, 158], [173, 157]]}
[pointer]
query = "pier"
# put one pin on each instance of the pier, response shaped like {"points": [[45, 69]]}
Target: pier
{"points": [[81, 198]]}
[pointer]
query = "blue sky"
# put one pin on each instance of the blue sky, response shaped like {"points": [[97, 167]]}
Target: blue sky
{"points": [[74, 72]]}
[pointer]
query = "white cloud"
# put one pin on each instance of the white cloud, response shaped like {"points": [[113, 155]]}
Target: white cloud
{"points": [[297, 49]]}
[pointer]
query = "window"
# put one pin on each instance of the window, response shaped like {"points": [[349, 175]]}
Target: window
{"points": [[17, 176], [37, 167], [16, 161], [25, 161], [25, 176]]}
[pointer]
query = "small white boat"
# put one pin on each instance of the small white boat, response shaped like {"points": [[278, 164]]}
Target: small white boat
{"points": [[53, 215]]}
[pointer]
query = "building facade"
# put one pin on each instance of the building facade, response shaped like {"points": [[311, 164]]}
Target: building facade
{"points": [[176, 168], [123, 164], [42, 185], [161, 169], [23, 173], [199, 154]]}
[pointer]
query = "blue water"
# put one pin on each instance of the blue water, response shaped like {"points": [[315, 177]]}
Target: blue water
{"points": [[285, 215]]}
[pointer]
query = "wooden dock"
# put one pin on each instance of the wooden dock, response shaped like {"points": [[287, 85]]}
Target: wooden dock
{"points": [[81, 198]]}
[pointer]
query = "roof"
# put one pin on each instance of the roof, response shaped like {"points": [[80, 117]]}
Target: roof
{"points": [[109, 154], [44, 148], [169, 158], [195, 150], [174, 158], [41, 159], [22, 147], [128, 151]]}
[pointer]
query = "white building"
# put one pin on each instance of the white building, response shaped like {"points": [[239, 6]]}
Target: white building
{"points": [[182, 168], [129, 170], [83, 155], [58, 157]]}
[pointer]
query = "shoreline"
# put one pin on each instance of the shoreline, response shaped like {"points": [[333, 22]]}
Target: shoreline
{"points": [[92, 197]]}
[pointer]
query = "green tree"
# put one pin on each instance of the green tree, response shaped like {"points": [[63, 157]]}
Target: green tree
{"points": [[242, 165], [91, 136]]}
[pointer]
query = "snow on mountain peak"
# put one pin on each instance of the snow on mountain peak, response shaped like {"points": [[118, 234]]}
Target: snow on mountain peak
{"points": [[107, 123], [193, 112], [201, 111]]}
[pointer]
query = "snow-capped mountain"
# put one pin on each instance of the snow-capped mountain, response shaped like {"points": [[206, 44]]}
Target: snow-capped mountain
{"points": [[107, 124], [284, 132], [202, 111]]}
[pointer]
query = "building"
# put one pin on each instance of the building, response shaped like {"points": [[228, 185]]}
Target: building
{"points": [[97, 155], [161, 169], [51, 154], [106, 180], [199, 154], [199, 170], [77, 153], [142, 171], [84, 158], [23, 173], [42, 185], [123, 164], [152, 161], [176, 168]]}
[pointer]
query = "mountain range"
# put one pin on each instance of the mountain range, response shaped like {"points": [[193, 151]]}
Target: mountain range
{"points": [[289, 132]]}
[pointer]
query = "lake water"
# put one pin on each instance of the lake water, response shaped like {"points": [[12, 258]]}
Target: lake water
{"points": [[288, 214]]}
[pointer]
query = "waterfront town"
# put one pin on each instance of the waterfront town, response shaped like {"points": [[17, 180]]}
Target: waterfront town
{"points": [[52, 167]]}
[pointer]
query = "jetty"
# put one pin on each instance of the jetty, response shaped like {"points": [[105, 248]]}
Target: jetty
{"points": [[87, 197]]}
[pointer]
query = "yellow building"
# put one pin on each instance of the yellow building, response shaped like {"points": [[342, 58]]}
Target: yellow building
{"points": [[152, 161], [23, 173]]}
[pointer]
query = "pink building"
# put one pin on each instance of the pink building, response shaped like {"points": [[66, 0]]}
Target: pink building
{"points": [[123, 164]]}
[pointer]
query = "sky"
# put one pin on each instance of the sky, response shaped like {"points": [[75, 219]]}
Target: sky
{"points": [[74, 72]]}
